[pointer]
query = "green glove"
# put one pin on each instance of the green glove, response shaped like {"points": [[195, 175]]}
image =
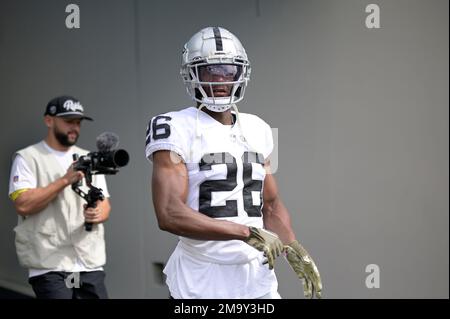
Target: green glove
{"points": [[305, 268], [267, 242]]}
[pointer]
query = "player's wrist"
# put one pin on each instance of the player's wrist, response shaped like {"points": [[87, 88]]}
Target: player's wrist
{"points": [[299, 249], [245, 233], [294, 244]]}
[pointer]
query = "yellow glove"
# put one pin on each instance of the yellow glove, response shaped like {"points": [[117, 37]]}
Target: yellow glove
{"points": [[305, 268], [267, 242]]}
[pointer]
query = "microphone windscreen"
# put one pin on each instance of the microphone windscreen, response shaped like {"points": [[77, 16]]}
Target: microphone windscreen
{"points": [[107, 141]]}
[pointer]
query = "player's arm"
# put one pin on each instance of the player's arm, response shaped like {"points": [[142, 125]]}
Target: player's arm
{"points": [[170, 190], [34, 200], [275, 215], [277, 219]]}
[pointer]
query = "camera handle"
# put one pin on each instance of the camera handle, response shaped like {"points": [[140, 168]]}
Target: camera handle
{"points": [[92, 196]]}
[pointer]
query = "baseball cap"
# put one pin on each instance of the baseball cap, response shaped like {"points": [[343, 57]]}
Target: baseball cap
{"points": [[66, 106]]}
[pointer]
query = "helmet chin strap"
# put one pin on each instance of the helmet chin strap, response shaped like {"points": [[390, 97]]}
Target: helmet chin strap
{"points": [[241, 128], [198, 133]]}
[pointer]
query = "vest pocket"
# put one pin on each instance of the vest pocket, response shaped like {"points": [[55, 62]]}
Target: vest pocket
{"points": [[22, 242], [36, 241], [46, 234], [91, 246]]}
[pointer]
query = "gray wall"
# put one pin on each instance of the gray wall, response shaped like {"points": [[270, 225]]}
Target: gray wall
{"points": [[362, 117]]}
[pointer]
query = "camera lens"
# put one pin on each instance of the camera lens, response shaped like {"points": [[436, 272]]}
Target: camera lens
{"points": [[121, 158]]}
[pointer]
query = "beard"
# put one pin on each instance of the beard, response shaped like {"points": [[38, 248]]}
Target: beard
{"points": [[64, 139]]}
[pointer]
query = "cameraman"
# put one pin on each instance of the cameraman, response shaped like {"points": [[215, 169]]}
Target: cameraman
{"points": [[64, 260]]}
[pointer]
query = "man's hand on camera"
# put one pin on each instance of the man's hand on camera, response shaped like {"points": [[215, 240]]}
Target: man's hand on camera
{"points": [[305, 268], [93, 215], [72, 176], [267, 242]]}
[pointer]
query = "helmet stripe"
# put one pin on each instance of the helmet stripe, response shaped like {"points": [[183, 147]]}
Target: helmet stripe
{"points": [[218, 38]]}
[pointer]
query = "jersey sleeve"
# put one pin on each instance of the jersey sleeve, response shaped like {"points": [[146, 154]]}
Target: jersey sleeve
{"points": [[165, 132]]}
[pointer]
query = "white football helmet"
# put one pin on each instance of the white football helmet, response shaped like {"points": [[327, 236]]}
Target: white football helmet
{"points": [[215, 51]]}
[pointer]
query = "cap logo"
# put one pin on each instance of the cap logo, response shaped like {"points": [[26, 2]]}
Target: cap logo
{"points": [[70, 105], [52, 110]]}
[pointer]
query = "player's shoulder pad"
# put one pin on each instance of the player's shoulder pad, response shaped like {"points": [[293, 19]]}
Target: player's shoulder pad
{"points": [[173, 127], [253, 120], [182, 120]]}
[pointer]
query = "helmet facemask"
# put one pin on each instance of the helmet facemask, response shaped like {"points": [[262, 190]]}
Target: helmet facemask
{"points": [[208, 82]]}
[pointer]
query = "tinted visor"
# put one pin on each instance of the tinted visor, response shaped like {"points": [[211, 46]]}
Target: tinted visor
{"points": [[231, 72]]}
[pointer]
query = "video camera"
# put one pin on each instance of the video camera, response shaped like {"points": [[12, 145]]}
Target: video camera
{"points": [[105, 161], [102, 162]]}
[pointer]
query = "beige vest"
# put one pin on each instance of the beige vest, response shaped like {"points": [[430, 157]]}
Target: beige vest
{"points": [[55, 237]]}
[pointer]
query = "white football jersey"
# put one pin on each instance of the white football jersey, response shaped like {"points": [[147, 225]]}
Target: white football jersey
{"points": [[226, 171]]}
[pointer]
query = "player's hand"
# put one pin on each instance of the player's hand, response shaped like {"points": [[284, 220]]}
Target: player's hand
{"points": [[305, 268], [267, 242]]}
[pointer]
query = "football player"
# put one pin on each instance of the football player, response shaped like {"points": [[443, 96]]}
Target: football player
{"points": [[212, 185]]}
